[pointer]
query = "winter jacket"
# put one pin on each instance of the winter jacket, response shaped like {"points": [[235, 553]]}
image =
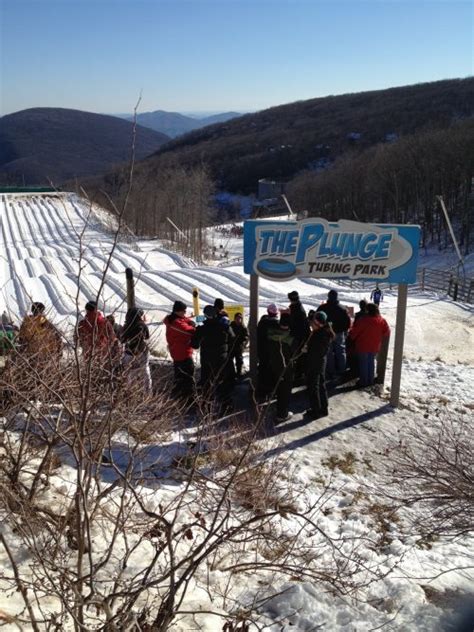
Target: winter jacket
{"points": [[135, 336], [95, 334], [241, 335], [376, 296], [359, 314], [318, 347], [299, 325], [337, 315], [37, 336], [281, 346], [179, 332], [266, 323], [7, 339], [368, 332], [213, 338]]}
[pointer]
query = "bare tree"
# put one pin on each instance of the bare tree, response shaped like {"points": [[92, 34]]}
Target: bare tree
{"points": [[433, 476]]}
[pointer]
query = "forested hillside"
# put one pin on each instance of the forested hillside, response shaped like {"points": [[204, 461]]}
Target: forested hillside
{"points": [[376, 156], [40, 145], [399, 182], [281, 141]]}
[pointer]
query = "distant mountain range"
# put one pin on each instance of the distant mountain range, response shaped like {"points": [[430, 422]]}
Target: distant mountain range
{"points": [[42, 145], [174, 124]]}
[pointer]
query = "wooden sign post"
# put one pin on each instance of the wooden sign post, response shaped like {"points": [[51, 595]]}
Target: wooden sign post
{"points": [[253, 322], [130, 288], [398, 347]]}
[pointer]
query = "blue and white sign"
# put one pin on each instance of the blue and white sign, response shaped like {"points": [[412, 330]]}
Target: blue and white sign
{"points": [[283, 250]]}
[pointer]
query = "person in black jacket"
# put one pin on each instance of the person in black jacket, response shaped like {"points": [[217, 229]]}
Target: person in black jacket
{"points": [[212, 338], [239, 342], [362, 310], [341, 322], [299, 328], [135, 336], [267, 321], [318, 347]]}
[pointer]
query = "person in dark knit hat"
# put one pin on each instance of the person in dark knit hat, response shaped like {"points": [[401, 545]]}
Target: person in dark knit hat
{"points": [[136, 359], [341, 322], [219, 305], [299, 328], [267, 321], [95, 335], [214, 339], [318, 347], [179, 332]]}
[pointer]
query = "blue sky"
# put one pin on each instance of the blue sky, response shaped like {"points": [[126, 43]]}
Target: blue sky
{"points": [[196, 55]]}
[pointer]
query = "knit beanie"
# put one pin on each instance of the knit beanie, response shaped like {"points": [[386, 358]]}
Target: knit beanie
{"points": [[179, 306], [321, 317]]}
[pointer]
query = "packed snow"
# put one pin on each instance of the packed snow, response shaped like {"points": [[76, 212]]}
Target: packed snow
{"points": [[345, 456]]}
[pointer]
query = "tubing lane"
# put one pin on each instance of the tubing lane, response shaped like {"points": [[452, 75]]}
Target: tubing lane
{"points": [[120, 292], [179, 283], [55, 233], [33, 239], [219, 286], [58, 218], [19, 290]]}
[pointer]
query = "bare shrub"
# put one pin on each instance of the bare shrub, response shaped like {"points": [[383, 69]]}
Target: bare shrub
{"points": [[434, 475]]}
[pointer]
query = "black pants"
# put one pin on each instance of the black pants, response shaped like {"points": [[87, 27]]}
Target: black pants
{"points": [[283, 390], [184, 378], [239, 362], [217, 378], [316, 384]]}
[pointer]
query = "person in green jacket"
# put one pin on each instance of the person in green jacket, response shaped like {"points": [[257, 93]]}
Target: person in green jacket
{"points": [[7, 338]]}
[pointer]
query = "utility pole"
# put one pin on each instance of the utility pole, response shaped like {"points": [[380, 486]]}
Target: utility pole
{"points": [[448, 222], [291, 215]]}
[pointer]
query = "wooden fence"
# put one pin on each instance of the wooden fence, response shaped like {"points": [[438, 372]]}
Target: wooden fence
{"points": [[446, 282], [429, 279], [440, 281]]}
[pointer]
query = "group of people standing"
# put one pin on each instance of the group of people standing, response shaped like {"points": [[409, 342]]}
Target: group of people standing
{"points": [[221, 343], [295, 347], [105, 346]]}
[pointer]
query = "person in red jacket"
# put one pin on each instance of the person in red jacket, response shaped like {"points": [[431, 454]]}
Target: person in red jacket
{"points": [[367, 334], [96, 336], [179, 332]]}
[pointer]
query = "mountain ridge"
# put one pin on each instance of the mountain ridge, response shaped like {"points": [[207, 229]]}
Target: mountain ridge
{"points": [[175, 124], [38, 145]]}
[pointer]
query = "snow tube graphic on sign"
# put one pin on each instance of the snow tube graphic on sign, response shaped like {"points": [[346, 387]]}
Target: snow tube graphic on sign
{"points": [[276, 268]]}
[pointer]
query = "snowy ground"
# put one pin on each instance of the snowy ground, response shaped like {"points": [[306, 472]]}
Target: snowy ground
{"points": [[39, 261]]}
